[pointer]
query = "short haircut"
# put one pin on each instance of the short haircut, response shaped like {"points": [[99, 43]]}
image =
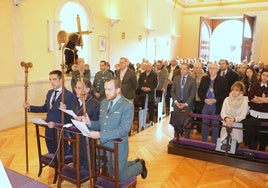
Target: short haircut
{"points": [[57, 72], [239, 85], [104, 62], [264, 70], [126, 59], [187, 65], [117, 82], [160, 61], [213, 65], [225, 60]]}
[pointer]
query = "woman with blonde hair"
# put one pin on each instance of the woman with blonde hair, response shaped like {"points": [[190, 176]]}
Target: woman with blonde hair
{"points": [[234, 110]]}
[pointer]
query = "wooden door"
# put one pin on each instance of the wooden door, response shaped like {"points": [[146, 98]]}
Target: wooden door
{"points": [[204, 39], [247, 38]]}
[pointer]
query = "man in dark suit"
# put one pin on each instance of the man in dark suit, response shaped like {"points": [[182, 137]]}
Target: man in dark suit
{"points": [[51, 107], [230, 76], [116, 117], [147, 85], [173, 70], [183, 93], [92, 106], [128, 79]]}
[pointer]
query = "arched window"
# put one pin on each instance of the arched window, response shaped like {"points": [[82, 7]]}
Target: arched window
{"points": [[66, 13], [68, 20]]}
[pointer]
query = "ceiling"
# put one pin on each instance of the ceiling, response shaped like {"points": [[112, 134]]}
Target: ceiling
{"points": [[198, 1], [202, 3]]}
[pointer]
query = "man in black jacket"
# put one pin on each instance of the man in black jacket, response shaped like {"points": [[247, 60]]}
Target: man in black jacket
{"points": [[147, 85], [230, 75], [212, 92]]}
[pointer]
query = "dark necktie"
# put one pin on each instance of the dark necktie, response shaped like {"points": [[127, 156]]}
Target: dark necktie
{"points": [[183, 81], [54, 97], [182, 86], [110, 106]]}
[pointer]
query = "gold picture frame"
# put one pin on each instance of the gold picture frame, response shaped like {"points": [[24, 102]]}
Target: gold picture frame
{"points": [[102, 43]]}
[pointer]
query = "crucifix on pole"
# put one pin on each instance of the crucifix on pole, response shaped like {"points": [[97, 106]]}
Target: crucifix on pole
{"points": [[70, 41]]}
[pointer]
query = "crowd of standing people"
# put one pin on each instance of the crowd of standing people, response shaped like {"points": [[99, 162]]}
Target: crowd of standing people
{"points": [[194, 85], [237, 93]]}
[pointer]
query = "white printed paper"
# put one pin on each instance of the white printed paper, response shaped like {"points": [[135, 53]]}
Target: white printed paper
{"points": [[3, 177], [70, 112], [39, 121], [82, 127]]}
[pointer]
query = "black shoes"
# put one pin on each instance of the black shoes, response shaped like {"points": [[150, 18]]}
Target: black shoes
{"points": [[144, 169]]}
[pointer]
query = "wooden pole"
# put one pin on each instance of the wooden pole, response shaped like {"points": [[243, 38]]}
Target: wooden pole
{"points": [[228, 146], [81, 69], [63, 66], [26, 67]]}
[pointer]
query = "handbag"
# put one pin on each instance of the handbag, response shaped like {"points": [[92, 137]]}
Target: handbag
{"points": [[187, 119], [185, 116], [222, 145]]}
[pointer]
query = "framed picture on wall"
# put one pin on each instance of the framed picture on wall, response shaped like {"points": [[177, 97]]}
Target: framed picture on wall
{"points": [[102, 43]]}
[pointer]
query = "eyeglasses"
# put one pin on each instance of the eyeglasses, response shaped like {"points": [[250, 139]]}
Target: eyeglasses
{"points": [[211, 68]]}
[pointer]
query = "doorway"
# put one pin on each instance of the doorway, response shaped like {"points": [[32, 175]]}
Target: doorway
{"points": [[226, 38], [226, 41]]}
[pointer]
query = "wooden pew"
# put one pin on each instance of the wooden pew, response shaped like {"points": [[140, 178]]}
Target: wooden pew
{"points": [[243, 158], [160, 112], [140, 111]]}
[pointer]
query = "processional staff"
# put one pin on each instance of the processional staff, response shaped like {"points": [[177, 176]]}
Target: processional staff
{"points": [[63, 66], [26, 67], [82, 69]]}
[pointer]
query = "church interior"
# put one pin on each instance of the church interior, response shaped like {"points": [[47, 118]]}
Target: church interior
{"points": [[136, 29]]}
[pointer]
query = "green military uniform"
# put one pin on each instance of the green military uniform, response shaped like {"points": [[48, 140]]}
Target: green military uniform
{"points": [[98, 83]]}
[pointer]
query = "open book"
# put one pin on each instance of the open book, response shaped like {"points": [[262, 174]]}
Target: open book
{"points": [[39, 121], [82, 127], [70, 112]]}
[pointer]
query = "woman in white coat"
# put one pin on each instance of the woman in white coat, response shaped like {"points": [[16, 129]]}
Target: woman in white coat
{"points": [[234, 110]]}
